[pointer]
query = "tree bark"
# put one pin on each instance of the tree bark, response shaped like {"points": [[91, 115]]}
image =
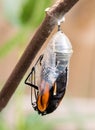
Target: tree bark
{"points": [[57, 11]]}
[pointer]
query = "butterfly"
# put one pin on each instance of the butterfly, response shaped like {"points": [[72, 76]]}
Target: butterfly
{"points": [[49, 76]]}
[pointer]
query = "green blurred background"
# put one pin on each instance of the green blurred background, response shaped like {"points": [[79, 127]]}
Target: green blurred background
{"points": [[19, 20]]}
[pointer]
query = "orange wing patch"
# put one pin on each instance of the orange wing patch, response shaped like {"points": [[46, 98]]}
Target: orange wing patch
{"points": [[43, 96]]}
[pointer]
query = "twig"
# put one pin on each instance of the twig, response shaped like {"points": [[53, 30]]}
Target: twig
{"points": [[57, 11]]}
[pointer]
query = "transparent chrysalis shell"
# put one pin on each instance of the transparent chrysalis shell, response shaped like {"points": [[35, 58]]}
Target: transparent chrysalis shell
{"points": [[56, 58], [49, 75]]}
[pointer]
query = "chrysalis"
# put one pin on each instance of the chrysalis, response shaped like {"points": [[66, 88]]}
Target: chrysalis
{"points": [[49, 75]]}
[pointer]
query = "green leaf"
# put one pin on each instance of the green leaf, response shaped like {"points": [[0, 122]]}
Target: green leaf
{"points": [[25, 12], [39, 12], [28, 13]]}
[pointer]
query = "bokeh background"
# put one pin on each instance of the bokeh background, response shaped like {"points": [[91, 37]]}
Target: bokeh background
{"points": [[19, 19]]}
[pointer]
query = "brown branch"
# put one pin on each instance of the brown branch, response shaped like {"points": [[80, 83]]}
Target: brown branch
{"points": [[56, 11]]}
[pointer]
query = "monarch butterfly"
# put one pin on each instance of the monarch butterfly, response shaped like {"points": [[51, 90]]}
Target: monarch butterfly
{"points": [[49, 75]]}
